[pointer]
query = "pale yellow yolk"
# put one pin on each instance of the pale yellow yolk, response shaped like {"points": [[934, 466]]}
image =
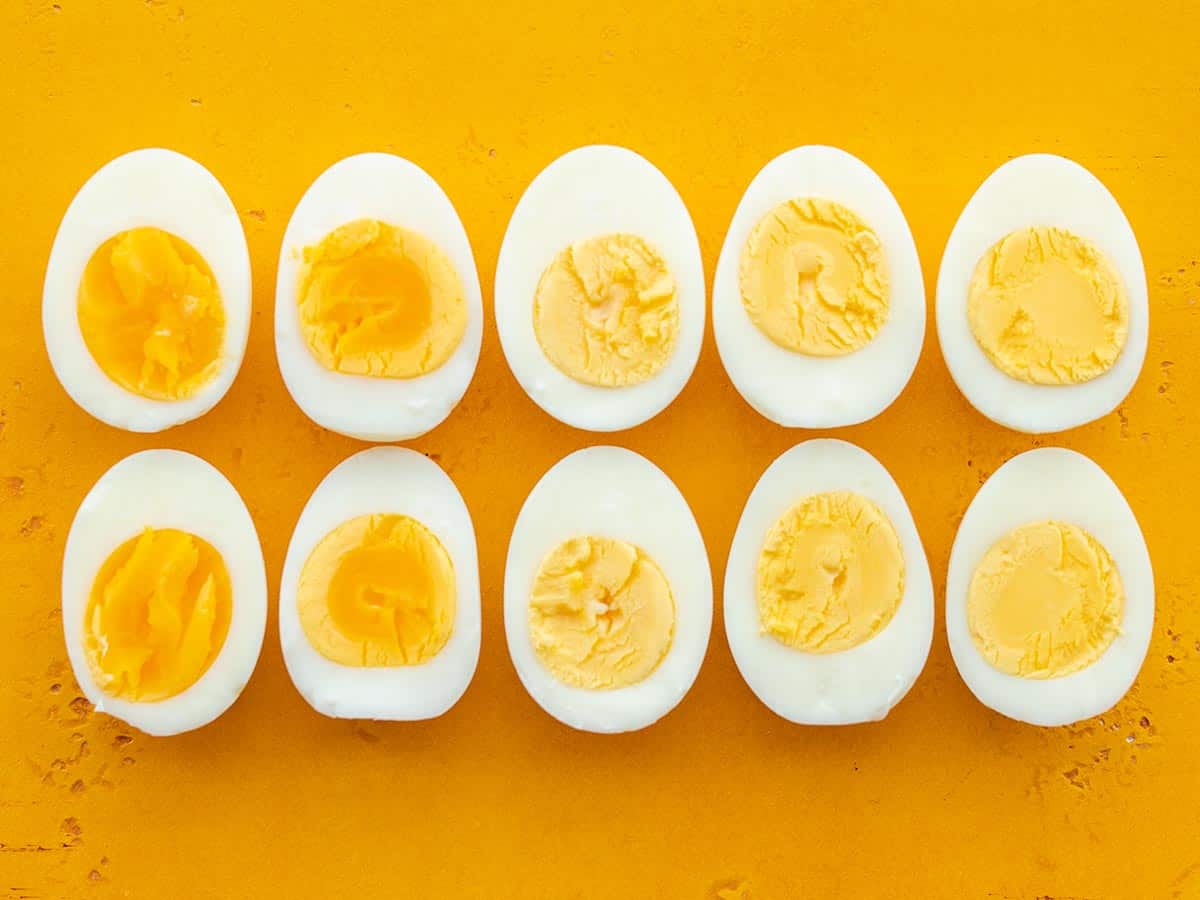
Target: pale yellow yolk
{"points": [[814, 278], [601, 614], [378, 590], [1048, 307], [605, 311], [150, 313], [157, 615], [831, 573], [1045, 601], [380, 300]]}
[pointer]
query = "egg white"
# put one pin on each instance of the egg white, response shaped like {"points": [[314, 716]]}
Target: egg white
{"points": [[1052, 483], [615, 493], [168, 489], [586, 193], [1039, 189], [794, 389], [861, 684], [404, 482], [146, 188], [393, 190]]}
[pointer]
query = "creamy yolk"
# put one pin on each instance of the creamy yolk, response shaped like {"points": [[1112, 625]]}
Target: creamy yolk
{"points": [[378, 590], [380, 300], [830, 574], [814, 278], [150, 313], [157, 615], [605, 311], [601, 613], [1048, 307], [1045, 601]]}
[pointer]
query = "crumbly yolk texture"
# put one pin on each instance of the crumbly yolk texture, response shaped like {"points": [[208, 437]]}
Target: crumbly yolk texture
{"points": [[157, 615], [151, 315], [830, 574], [1048, 307], [1045, 601], [605, 311], [380, 300], [378, 590], [814, 278], [601, 613]]}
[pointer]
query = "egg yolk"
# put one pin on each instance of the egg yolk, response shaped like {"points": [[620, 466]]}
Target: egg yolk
{"points": [[1048, 307], [830, 574], [605, 311], [814, 278], [380, 300], [1045, 601], [601, 613], [378, 590], [157, 615], [151, 315]]}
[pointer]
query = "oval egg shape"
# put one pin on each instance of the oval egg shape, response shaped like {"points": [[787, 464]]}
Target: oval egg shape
{"points": [[145, 189]]}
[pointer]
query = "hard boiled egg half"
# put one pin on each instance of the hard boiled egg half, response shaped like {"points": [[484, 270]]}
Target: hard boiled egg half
{"points": [[1042, 311], [379, 602], [378, 314], [146, 304], [1050, 594], [600, 298], [607, 592], [828, 598], [164, 596], [818, 300]]}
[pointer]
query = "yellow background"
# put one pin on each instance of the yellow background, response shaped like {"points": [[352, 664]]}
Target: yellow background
{"points": [[496, 799]]}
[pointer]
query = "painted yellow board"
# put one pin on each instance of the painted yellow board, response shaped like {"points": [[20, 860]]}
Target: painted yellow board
{"points": [[495, 799]]}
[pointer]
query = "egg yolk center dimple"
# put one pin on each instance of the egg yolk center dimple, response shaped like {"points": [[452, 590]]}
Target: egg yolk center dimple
{"points": [[830, 574], [378, 590], [814, 278], [157, 615], [601, 613], [380, 300], [606, 312], [151, 315], [1045, 601], [1048, 307]]}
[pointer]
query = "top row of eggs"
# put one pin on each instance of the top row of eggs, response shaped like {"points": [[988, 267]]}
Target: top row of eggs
{"points": [[818, 297]]}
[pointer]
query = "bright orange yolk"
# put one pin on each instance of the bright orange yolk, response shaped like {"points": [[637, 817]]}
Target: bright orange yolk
{"points": [[157, 615], [151, 315]]}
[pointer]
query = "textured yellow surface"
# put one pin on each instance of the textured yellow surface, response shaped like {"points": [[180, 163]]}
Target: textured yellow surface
{"points": [[943, 799]]}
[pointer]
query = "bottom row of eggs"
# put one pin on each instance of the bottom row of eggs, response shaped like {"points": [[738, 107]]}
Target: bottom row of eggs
{"points": [[828, 598]]}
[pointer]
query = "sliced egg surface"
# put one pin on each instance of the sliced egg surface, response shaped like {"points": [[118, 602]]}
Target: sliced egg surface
{"points": [[1050, 592], [146, 302], [607, 592], [1057, 203], [164, 595], [378, 312], [600, 295], [828, 597], [379, 612], [820, 250]]}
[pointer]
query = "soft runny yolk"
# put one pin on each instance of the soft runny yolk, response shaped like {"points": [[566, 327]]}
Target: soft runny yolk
{"points": [[151, 315], [157, 615]]}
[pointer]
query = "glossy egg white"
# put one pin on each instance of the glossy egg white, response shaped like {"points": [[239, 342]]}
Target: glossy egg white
{"points": [[616, 493], [793, 389], [585, 193], [1052, 483], [404, 482], [861, 684], [146, 188], [168, 489], [1039, 189], [393, 190]]}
